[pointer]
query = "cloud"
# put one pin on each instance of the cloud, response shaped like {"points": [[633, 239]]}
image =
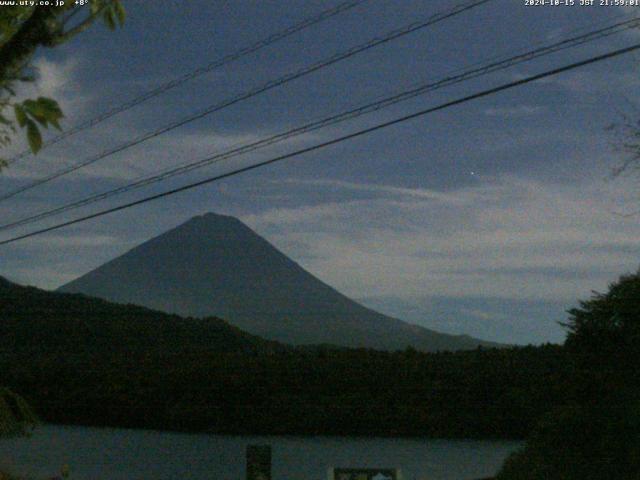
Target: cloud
{"points": [[482, 314], [53, 78], [167, 151], [505, 238], [386, 190], [74, 242], [592, 83], [513, 112], [500, 320], [58, 80]]}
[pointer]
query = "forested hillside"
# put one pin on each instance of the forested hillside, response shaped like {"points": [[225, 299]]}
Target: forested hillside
{"points": [[38, 322], [86, 361]]}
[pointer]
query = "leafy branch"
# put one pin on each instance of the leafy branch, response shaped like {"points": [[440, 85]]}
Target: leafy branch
{"points": [[23, 29]]}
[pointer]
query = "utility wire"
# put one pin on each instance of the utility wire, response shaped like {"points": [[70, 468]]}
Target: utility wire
{"points": [[413, 27], [319, 146], [334, 119], [259, 45]]}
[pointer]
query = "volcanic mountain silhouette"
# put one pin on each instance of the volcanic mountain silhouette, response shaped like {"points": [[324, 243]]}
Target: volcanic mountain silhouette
{"points": [[214, 265]]}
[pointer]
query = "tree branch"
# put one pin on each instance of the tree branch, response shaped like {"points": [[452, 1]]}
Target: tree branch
{"points": [[35, 31], [82, 26]]}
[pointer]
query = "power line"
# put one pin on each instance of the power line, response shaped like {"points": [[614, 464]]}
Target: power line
{"points": [[413, 27], [334, 141], [259, 45], [341, 117]]}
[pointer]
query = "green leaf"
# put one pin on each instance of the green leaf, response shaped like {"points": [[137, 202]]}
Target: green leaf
{"points": [[120, 12], [55, 123], [33, 136], [35, 111], [54, 112], [33, 107], [21, 116], [50, 104], [51, 107], [95, 7], [109, 19], [41, 120], [43, 110]]}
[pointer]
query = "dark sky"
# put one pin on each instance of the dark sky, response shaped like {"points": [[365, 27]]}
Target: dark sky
{"points": [[491, 218]]}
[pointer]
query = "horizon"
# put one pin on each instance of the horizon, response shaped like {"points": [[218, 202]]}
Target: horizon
{"points": [[489, 219], [217, 215]]}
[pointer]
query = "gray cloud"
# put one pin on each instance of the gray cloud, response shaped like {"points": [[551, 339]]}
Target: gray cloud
{"points": [[510, 238]]}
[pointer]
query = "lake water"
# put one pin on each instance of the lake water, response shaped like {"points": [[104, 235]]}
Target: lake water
{"points": [[117, 454]]}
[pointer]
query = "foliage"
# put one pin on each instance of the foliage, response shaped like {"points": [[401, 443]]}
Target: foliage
{"points": [[596, 437], [585, 443], [351, 392], [22, 30], [30, 113], [9, 476], [16, 417], [608, 322], [87, 361], [5, 475]]}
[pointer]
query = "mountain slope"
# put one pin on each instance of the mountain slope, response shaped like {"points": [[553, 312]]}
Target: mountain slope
{"points": [[216, 265], [84, 361], [34, 320]]}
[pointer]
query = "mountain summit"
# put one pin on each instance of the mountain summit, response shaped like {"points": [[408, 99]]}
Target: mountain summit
{"points": [[214, 265]]}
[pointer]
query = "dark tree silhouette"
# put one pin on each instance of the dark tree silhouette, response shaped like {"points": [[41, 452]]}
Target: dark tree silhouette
{"points": [[608, 321], [597, 435]]}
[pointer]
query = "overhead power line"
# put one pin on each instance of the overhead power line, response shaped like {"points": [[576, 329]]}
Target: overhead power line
{"points": [[232, 57], [338, 57], [319, 146], [421, 89]]}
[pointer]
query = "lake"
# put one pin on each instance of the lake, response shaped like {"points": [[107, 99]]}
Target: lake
{"points": [[118, 454]]}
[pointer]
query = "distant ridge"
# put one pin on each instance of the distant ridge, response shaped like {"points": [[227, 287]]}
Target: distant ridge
{"points": [[35, 321], [214, 265]]}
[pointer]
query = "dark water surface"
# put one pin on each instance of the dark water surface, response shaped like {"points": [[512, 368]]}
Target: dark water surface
{"points": [[117, 454]]}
